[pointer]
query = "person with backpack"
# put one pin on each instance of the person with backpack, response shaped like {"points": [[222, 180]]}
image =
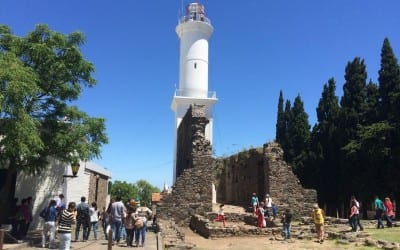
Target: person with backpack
{"points": [[49, 214], [130, 225], [82, 219], [143, 214], [379, 209], [318, 217]]}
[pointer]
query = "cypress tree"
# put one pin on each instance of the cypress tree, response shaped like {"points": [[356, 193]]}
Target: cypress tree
{"points": [[389, 84], [280, 121], [299, 134], [325, 144]]}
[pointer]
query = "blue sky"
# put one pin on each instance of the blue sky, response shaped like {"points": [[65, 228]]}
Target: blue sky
{"points": [[258, 48]]}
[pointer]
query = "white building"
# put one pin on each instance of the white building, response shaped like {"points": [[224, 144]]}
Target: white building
{"points": [[91, 182], [194, 30]]}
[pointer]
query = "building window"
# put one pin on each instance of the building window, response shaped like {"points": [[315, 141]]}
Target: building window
{"points": [[195, 65]]}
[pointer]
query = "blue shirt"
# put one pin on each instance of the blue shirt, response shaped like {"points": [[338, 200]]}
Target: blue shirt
{"points": [[51, 214]]}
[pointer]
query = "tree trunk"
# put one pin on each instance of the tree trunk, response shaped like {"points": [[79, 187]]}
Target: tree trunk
{"points": [[7, 193]]}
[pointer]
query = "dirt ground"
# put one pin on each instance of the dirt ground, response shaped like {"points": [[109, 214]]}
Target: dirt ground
{"points": [[257, 242]]}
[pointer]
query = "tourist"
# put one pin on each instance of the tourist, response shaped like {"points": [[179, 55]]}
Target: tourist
{"points": [[130, 225], [274, 211], [104, 221], [60, 203], [318, 217], [82, 219], [379, 209], [353, 198], [221, 214], [268, 206], [49, 214], [24, 218], [286, 221], [353, 216], [94, 219], [254, 203], [143, 214], [260, 216], [389, 212], [64, 226], [116, 216]]}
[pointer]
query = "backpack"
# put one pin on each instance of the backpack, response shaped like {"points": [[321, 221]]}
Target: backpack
{"points": [[83, 212], [44, 213], [139, 223]]}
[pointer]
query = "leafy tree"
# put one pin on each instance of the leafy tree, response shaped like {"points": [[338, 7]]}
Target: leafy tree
{"points": [[41, 74], [141, 190], [124, 190], [145, 190]]}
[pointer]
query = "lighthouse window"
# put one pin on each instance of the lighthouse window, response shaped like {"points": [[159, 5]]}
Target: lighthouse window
{"points": [[195, 65]]}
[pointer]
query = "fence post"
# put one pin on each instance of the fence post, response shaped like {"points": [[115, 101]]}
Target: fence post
{"points": [[1, 238], [110, 239]]}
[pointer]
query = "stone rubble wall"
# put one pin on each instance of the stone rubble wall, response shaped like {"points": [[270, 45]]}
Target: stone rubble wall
{"points": [[192, 191], [262, 171], [284, 186]]}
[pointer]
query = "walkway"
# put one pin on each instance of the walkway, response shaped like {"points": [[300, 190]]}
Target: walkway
{"points": [[151, 244]]}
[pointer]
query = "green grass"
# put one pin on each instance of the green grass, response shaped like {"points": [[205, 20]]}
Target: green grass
{"points": [[388, 234]]}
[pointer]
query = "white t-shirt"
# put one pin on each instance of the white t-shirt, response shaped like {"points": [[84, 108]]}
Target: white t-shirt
{"points": [[268, 202], [94, 214]]}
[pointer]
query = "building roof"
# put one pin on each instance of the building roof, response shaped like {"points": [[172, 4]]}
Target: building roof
{"points": [[97, 169]]}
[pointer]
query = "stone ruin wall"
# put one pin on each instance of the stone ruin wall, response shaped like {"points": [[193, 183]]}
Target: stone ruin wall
{"points": [[263, 171], [260, 170], [192, 191]]}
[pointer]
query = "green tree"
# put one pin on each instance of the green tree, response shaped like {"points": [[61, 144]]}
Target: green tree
{"points": [[280, 121], [41, 75], [286, 143], [124, 190], [141, 190], [145, 190], [325, 147], [389, 89], [389, 84], [299, 134]]}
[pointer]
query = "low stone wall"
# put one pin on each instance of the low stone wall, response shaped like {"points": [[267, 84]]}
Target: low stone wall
{"points": [[206, 228]]}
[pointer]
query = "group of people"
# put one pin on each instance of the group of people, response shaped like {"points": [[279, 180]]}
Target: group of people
{"points": [[128, 221], [263, 210], [57, 214], [21, 217], [384, 210]]}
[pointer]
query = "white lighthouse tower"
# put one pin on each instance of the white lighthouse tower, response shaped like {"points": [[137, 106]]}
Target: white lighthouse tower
{"points": [[194, 30]]}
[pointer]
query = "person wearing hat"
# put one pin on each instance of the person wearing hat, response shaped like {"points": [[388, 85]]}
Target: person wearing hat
{"points": [[318, 217], [254, 203]]}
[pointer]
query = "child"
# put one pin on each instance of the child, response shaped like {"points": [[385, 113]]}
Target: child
{"points": [[260, 216], [254, 203], [286, 221], [221, 216]]}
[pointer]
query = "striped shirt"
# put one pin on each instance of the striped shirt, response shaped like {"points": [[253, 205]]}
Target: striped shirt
{"points": [[66, 219]]}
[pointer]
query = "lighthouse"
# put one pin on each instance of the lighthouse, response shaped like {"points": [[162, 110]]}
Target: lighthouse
{"points": [[194, 30]]}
